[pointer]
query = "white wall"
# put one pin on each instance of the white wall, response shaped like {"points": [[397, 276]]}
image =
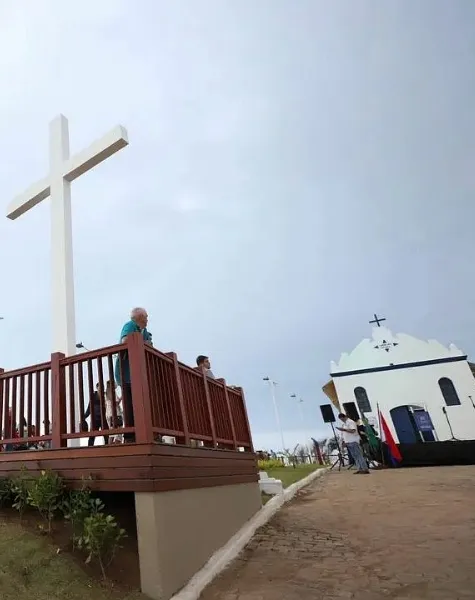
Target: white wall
{"points": [[417, 385]]}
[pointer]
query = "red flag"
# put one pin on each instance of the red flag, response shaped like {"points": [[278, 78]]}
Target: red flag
{"points": [[386, 436]]}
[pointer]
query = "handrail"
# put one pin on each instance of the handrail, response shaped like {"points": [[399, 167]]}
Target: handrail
{"points": [[160, 397], [92, 354], [25, 370], [151, 350]]}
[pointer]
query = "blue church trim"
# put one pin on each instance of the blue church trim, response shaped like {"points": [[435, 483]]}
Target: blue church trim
{"points": [[422, 363]]}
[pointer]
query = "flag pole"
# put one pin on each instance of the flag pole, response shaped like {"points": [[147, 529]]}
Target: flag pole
{"points": [[380, 435]]}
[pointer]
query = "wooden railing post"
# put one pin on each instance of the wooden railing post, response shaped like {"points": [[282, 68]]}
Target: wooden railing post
{"points": [[241, 391], [2, 371], [58, 392], [230, 414], [181, 400], [210, 409], [140, 389]]}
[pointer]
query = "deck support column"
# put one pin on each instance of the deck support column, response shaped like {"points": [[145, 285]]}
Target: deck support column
{"points": [[178, 531]]}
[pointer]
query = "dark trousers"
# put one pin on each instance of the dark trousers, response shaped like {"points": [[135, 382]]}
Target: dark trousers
{"points": [[128, 411], [354, 449], [351, 460], [98, 425]]}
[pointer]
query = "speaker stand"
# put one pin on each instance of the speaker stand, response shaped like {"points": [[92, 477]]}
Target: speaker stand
{"points": [[339, 461]]}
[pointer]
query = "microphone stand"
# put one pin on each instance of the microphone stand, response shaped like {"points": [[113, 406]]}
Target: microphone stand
{"points": [[453, 438]]}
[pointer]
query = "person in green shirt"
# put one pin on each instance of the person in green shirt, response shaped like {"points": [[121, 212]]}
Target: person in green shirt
{"points": [[137, 324]]}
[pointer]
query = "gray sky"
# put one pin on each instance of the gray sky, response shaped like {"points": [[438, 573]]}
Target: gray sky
{"points": [[293, 167]]}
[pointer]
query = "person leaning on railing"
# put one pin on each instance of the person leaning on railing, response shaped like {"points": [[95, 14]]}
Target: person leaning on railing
{"points": [[203, 364], [137, 324], [14, 430], [96, 411], [112, 398]]}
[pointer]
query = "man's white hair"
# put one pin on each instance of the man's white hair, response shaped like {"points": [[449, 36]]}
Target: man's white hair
{"points": [[137, 311]]}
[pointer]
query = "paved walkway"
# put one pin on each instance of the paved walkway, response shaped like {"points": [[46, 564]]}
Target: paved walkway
{"points": [[404, 534]]}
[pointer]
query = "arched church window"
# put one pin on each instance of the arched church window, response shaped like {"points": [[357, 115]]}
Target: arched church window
{"points": [[362, 400], [449, 392]]}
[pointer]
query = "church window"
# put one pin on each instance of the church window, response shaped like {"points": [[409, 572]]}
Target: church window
{"points": [[362, 400], [449, 392]]}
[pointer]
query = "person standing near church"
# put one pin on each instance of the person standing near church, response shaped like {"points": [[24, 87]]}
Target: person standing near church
{"points": [[351, 437], [137, 324]]}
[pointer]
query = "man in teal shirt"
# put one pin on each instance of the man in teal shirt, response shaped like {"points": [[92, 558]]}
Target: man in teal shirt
{"points": [[137, 324]]}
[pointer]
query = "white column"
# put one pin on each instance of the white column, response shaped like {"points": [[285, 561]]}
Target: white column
{"points": [[63, 317], [62, 278]]}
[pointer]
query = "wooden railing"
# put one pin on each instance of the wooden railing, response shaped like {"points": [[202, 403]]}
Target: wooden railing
{"points": [[47, 404], [25, 405]]}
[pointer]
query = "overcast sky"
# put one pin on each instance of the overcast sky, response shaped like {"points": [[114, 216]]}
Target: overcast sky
{"points": [[294, 166]]}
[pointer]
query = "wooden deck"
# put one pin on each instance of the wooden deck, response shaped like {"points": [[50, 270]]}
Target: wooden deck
{"points": [[45, 404], [137, 467]]}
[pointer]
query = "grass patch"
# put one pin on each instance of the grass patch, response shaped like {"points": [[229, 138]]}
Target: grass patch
{"points": [[289, 475], [32, 569]]}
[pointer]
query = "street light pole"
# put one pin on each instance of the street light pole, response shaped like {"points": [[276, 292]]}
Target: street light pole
{"points": [[272, 385], [299, 403], [81, 346], [304, 428]]}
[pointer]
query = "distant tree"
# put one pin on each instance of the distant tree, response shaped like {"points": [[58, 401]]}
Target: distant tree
{"points": [[291, 455], [303, 453]]}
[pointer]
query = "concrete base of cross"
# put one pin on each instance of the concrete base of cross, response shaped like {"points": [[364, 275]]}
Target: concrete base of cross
{"points": [[270, 485]]}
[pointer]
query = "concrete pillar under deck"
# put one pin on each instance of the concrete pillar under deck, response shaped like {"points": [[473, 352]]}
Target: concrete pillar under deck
{"points": [[178, 531]]}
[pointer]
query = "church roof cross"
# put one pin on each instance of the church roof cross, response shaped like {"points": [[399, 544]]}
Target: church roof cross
{"points": [[377, 320]]}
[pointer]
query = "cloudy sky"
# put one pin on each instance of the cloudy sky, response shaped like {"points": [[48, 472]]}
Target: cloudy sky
{"points": [[293, 167]]}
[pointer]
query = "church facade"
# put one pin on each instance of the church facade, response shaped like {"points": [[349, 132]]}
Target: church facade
{"points": [[425, 390]]}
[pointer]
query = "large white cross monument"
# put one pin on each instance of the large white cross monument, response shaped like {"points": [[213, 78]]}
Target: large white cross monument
{"points": [[63, 170]]}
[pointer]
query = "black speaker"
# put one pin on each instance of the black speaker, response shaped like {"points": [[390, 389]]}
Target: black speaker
{"points": [[350, 410], [327, 413]]}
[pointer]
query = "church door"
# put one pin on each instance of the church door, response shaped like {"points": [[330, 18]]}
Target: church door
{"points": [[406, 429]]}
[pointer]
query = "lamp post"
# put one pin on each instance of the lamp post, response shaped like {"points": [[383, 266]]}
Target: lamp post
{"points": [[302, 418], [299, 404], [81, 346], [272, 385]]}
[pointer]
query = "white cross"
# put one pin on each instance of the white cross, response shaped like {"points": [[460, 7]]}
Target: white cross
{"points": [[64, 170]]}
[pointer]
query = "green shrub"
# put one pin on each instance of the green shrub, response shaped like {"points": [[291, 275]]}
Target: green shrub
{"points": [[267, 465], [78, 505], [20, 487], [6, 492], [45, 494], [101, 537]]}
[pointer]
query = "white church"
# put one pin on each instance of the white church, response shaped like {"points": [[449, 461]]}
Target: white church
{"points": [[425, 390]]}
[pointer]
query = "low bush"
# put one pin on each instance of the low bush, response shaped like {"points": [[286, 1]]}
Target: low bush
{"points": [[93, 530], [6, 492], [20, 487], [272, 463], [45, 493], [101, 537], [77, 505]]}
